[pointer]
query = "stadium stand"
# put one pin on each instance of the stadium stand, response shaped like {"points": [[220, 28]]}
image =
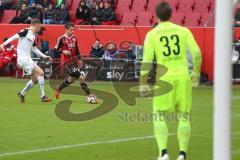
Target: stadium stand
{"points": [[8, 15], [194, 13]]}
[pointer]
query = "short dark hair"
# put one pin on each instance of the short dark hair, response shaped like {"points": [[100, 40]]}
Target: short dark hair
{"points": [[163, 11], [35, 21], [69, 24]]}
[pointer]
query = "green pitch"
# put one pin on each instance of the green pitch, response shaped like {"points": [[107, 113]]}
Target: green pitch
{"points": [[31, 131]]}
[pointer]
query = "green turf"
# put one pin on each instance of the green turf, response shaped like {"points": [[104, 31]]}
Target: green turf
{"points": [[33, 125]]}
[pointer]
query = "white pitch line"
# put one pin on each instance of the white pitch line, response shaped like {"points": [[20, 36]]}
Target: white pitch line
{"points": [[77, 145], [86, 144], [74, 146]]}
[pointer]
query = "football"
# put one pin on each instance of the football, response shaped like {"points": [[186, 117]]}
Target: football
{"points": [[92, 99]]}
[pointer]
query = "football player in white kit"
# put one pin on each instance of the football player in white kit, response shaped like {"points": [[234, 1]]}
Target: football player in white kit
{"points": [[26, 45]]}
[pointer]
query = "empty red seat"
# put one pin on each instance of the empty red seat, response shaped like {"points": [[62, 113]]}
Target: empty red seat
{"points": [[124, 8], [212, 2], [178, 18], [192, 19], [129, 18], [145, 19], [8, 16], [201, 6], [211, 6], [139, 6], [209, 3], [174, 4], [185, 6], [123, 5], [152, 5]]}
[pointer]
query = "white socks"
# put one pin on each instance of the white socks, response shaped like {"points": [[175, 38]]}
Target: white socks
{"points": [[28, 86], [41, 85]]}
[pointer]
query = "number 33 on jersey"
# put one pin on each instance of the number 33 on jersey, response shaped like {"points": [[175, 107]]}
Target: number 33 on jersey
{"points": [[168, 43]]}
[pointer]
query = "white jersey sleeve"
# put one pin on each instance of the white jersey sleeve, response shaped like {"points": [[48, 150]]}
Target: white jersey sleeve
{"points": [[38, 52], [13, 38]]}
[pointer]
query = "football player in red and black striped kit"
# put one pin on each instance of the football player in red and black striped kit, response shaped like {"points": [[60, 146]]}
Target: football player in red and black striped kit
{"points": [[68, 46]]}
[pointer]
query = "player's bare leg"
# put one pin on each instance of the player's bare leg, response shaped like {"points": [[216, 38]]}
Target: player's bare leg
{"points": [[38, 75], [67, 81]]}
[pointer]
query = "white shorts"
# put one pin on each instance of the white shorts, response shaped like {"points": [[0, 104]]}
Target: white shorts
{"points": [[27, 64]]}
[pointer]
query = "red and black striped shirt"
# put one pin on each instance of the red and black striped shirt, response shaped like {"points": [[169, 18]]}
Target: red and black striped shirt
{"points": [[69, 43]]}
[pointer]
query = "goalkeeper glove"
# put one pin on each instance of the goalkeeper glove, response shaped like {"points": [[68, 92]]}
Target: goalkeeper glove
{"points": [[195, 79], [145, 91]]}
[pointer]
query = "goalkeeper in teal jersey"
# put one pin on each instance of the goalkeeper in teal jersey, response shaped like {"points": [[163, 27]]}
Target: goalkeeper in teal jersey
{"points": [[168, 43]]}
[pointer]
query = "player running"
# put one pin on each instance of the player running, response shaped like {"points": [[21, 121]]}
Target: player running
{"points": [[168, 42], [68, 45], [26, 45]]}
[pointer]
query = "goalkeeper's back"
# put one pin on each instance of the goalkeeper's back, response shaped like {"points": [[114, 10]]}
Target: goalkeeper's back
{"points": [[169, 42]]}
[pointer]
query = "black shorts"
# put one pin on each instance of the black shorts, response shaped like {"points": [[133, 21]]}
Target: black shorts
{"points": [[76, 72]]}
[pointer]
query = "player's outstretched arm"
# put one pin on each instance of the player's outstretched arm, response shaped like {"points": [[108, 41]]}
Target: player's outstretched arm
{"points": [[39, 53], [13, 38], [196, 57]]}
